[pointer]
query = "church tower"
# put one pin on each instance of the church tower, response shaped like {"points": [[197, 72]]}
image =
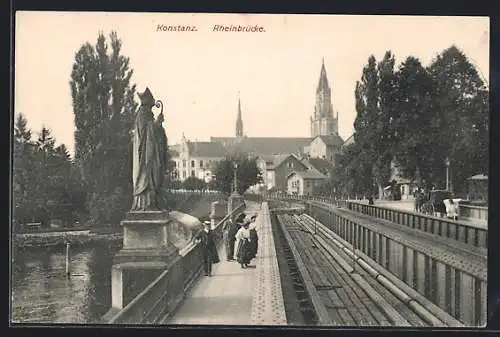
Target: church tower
{"points": [[239, 122], [323, 122]]}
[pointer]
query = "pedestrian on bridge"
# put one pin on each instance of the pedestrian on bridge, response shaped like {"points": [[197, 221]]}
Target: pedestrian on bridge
{"points": [[254, 238], [207, 240], [244, 253], [234, 226]]}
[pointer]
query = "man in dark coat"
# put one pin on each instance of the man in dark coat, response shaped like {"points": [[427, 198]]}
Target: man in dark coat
{"points": [[207, 240], [231, 236]]}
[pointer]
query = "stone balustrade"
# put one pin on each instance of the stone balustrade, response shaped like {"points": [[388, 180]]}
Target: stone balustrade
{"points": [[161, 297]]}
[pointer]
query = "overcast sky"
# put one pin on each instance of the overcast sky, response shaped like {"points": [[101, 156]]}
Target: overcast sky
{"points": [[198, 75]]}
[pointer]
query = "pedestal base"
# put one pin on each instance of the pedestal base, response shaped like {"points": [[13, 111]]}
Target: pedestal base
{"points": [[128, 279], [147, 251], [235, 200], [146, 237]]}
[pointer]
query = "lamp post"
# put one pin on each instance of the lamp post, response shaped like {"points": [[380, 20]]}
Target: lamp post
{"points": [[235, 181], [447, 164]]}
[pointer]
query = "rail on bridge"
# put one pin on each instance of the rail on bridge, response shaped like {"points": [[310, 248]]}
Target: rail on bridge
{"points": [[167, 291], [471, 232], [444, 261]]}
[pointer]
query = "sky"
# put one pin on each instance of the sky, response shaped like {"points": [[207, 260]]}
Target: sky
{"points": [[199, 75]]}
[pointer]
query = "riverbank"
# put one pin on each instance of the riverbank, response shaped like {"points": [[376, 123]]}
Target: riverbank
{"points": [[74, 238]]}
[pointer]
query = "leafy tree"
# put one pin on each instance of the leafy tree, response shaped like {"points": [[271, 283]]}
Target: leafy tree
{"points": [[194, 184], [383, 134], [104, 109], [366, 129], [416, 126], [24, 176], [42, 177], [247, 172], [463, 115]]}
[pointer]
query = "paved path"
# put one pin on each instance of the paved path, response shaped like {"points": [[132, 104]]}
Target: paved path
{"points": [[230, 294]]}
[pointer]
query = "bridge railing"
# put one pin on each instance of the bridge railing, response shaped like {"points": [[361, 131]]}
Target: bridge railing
{"points": [[473, 212], [472, 234], [459, 291], [162, 296], [475, 235]]}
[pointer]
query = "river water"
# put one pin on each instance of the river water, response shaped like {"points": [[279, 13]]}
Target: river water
{"points": [[41, 292]]}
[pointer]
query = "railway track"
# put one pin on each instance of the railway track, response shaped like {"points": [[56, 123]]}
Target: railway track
{"points": [[341, 290]]}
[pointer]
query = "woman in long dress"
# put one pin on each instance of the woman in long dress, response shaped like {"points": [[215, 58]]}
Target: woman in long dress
{"points": [[244, 254], [254, 238]]}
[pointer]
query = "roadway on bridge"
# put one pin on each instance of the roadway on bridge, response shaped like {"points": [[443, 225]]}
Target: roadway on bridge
{"points": [[226, 297]]}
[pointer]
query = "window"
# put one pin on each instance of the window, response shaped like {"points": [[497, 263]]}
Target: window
{"points": [[184, 163], [192, 173], [290, 164], [183, 174], [308, 184], [175, 163], [192, 163], [201, 163]]}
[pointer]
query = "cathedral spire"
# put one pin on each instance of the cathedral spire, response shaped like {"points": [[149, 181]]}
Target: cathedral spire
{"points": [[323, 121], [323, 79], [239, 120]]}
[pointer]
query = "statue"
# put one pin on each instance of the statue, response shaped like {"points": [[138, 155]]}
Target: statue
{"points": [[148, 158]]}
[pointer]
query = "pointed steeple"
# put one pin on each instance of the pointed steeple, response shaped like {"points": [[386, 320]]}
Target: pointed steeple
{"points": [[323, 79], [239, 120]]}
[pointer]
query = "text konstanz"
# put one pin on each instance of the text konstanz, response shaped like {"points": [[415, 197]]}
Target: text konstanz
{"points": [[176, 28]]}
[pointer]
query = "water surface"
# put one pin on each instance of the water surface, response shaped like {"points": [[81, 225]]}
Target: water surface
{"points": [[41, 292]]}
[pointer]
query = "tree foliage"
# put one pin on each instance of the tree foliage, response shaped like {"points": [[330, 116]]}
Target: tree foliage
{"points": [[247, 173], [104, 109], [412, 118], [194, 184], [43, 177]]}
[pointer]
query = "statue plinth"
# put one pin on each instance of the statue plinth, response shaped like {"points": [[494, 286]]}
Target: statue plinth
{"points": [[234, 201], [146, 238], [147, 251]]}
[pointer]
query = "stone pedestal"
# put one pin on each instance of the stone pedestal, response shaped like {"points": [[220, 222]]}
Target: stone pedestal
{"points": [[147, 251], [235, 200], [146, 238]]}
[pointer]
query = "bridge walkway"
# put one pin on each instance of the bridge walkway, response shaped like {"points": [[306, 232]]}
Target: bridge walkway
{"points": [[236, 296]]}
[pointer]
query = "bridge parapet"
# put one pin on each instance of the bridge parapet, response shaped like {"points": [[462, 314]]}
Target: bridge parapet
{"points": [[454, 279], [472, 233], [162, 296], [473, 212], [468, 233]]}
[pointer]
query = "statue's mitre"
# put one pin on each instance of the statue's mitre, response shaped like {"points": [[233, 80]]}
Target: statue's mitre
{"points": [[147, 97]]}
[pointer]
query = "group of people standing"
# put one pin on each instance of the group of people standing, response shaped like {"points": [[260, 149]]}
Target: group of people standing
{"points": [[240, 234]]}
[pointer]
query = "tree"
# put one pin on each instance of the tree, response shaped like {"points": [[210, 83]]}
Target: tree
{"points": [[42, 176], [104, 109], [24, 177], [247, 172], [417, 127], [194, 184], [383, 140], [463, 112]]}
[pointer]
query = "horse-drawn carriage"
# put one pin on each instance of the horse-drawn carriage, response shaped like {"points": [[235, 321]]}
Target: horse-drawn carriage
{"points": [[432, 202]]}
